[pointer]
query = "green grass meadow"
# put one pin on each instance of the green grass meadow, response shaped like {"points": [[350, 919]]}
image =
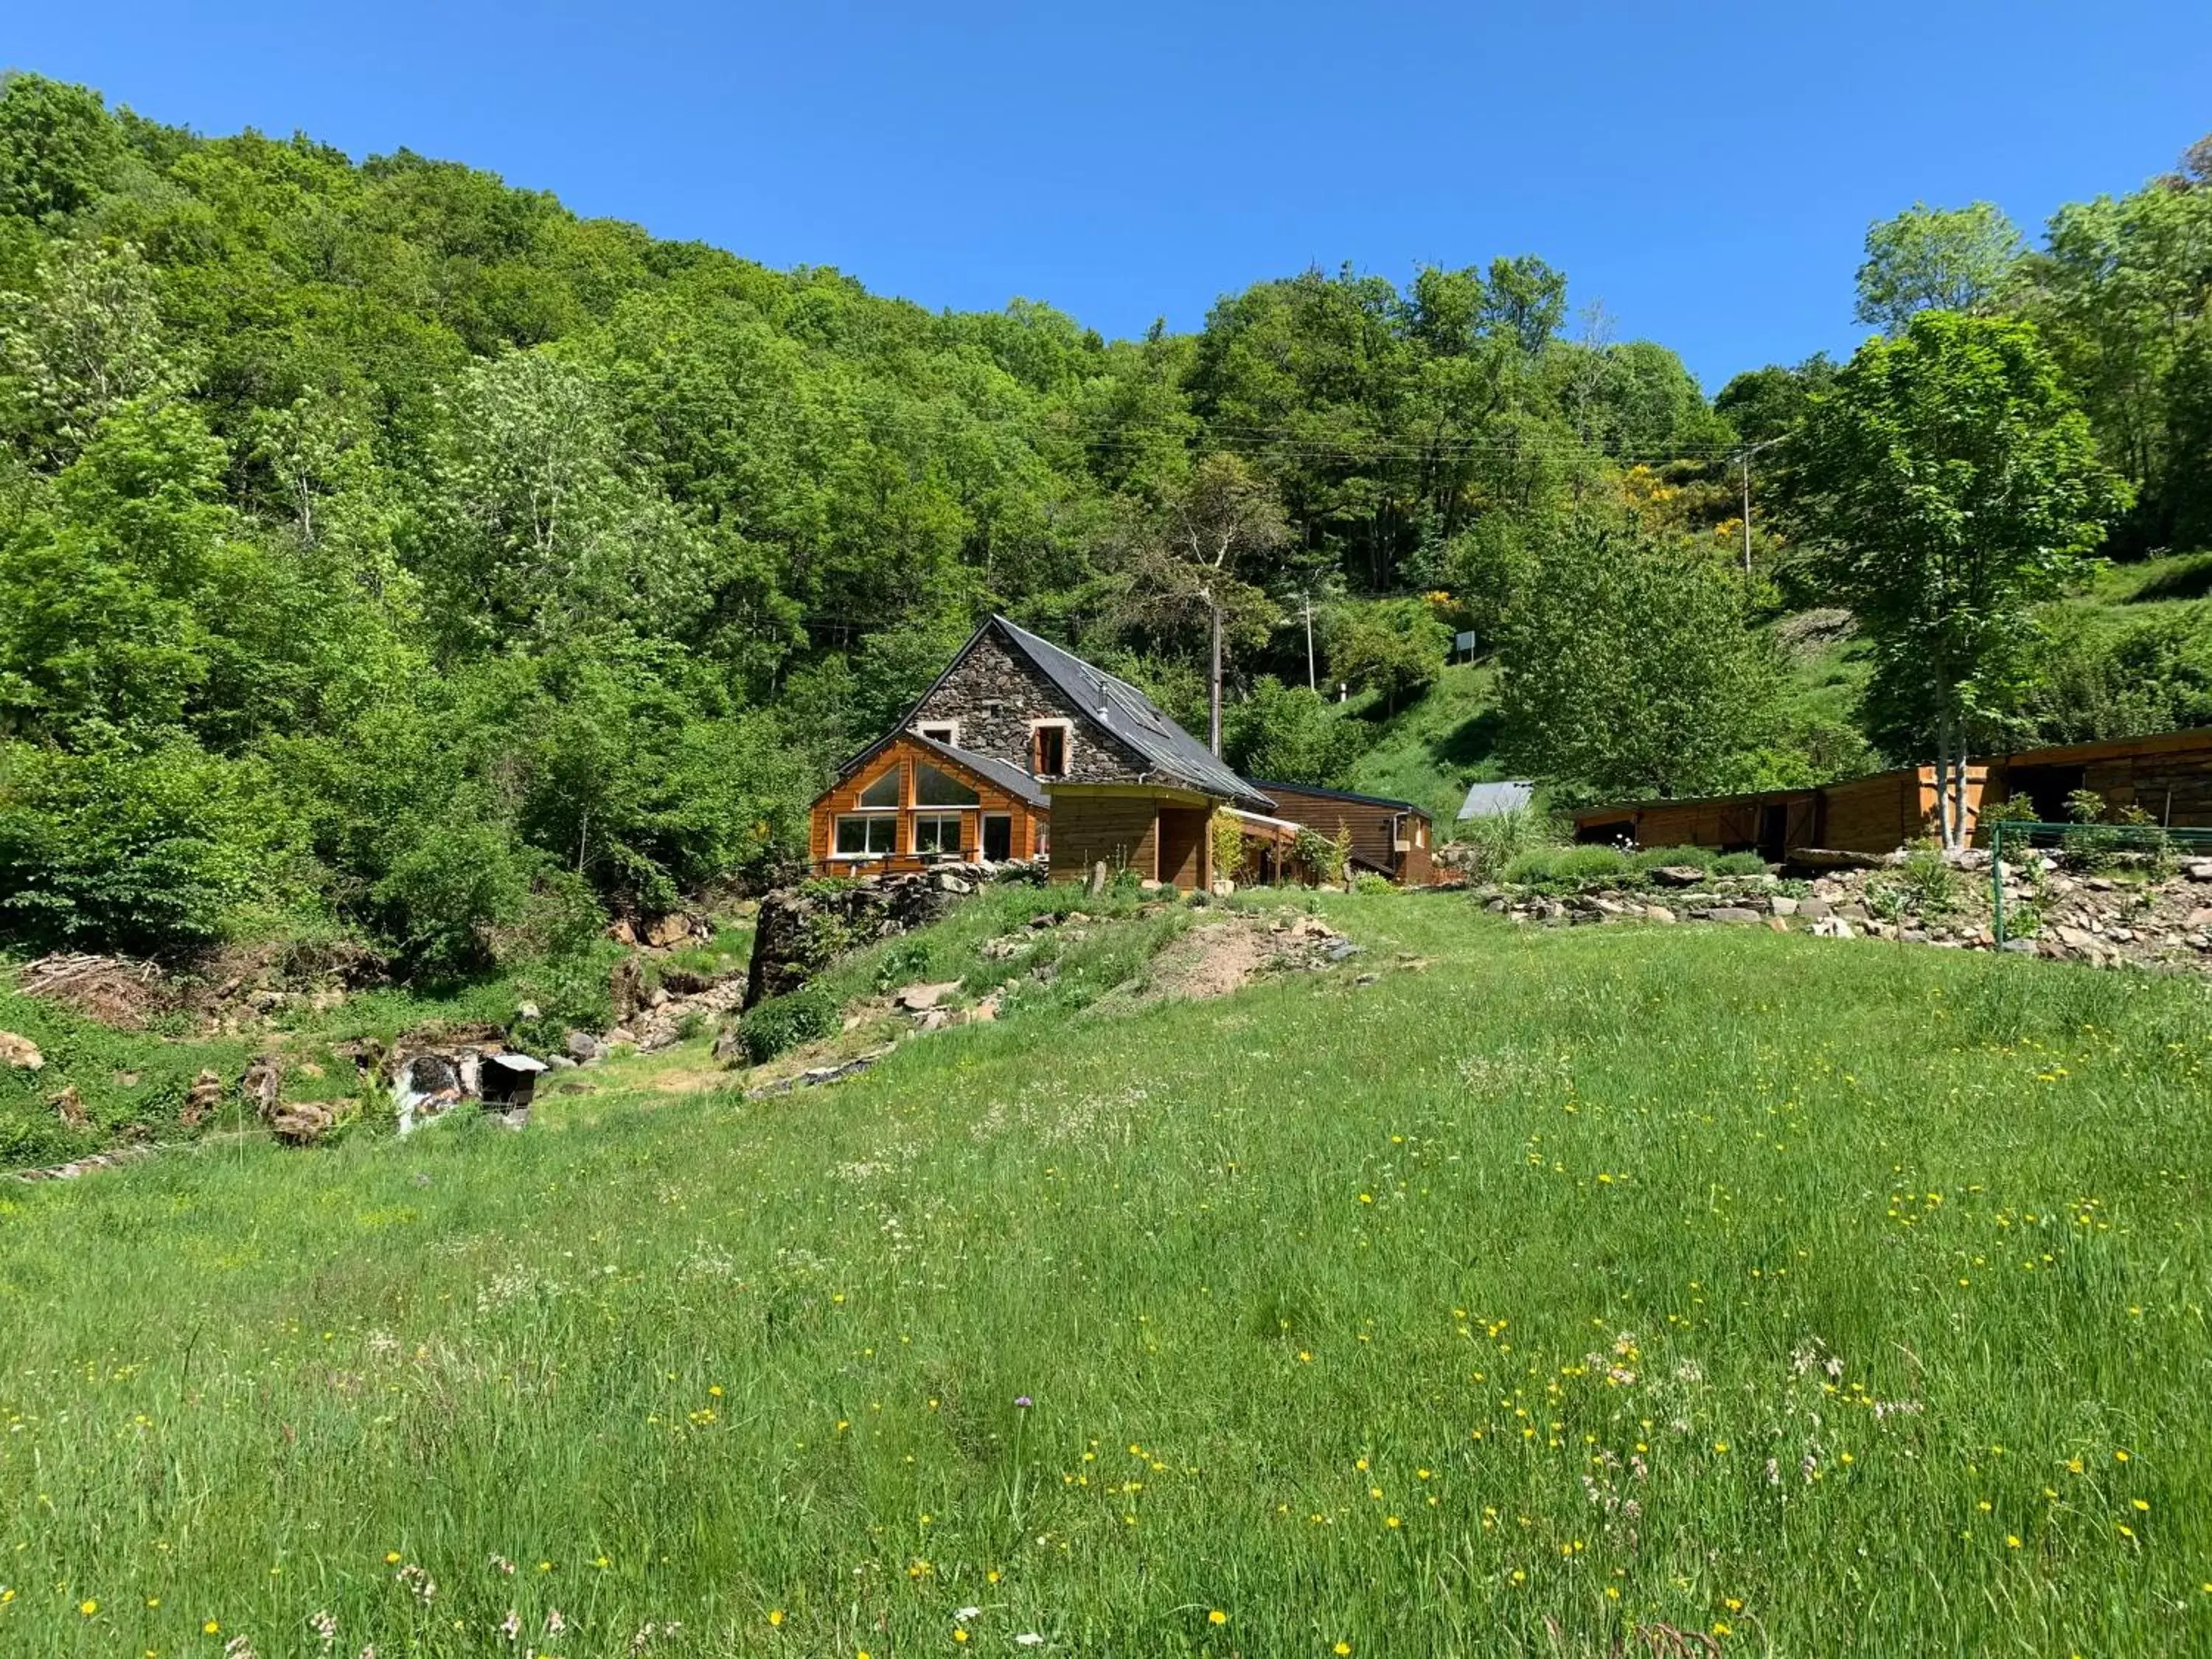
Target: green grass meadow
{"points": [[1816, 1298]]}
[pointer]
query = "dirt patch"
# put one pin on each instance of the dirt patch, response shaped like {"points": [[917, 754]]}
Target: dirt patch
{"points": [[1211, 960]]}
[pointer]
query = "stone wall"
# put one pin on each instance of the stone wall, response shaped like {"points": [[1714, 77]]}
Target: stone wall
{"points": [[802, 930], [994, 694]]}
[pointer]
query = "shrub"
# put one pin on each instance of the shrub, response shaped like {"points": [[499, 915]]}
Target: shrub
{"points": [[780, 1023], [1659, 858], [1498, 838], [1562, 865], [1739, 864], [1371, 883]]}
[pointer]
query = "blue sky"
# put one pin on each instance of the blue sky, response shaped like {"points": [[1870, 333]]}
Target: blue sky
{"points": [[1706, 172]]}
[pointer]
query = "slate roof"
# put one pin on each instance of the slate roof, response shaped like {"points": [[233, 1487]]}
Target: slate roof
{"points": [[1488, 799], [1341, 794], [1130, 715]]}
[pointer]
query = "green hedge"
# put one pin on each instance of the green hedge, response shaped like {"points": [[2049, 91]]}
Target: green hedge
{"points": [[785, 1022]]}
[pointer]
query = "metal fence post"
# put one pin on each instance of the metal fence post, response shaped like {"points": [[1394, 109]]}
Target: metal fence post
{"points": [[1996, 879]]}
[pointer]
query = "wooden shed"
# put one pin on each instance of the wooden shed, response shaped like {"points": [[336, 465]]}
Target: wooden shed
{"points": [[1393, 838], [2168, 776], [1876, 814], [908, 802], [1162, 832]]}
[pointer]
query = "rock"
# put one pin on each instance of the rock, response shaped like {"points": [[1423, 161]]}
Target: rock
{"points": [[948, 883], [625, 987], [583, 1048], [801, 931], [622, 933], [1832, 927], [70, 1105], [1813, 907], [2198, 869], [936, 1019], [656, 996], [526, 1011], [20, 1052], [1657, 913], [730, 1046], [302, 1121], [1728, 913], [2018, 947], [1342, 949], [201, 1100], [259, 1087], [2074, 938], [562, 1063], [2200, 917], [1096, 884], [1782, 905], [1368, 979], [671, 930], [984, 1011], [921, 998], [1778, 924], [1678, 875]]}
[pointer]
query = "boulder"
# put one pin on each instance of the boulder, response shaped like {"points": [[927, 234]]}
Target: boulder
{"points": [[20, 1052], [921, 999], [1678, 875], [671, 930], [1735, 912], [801, 931], [1813, 907], [301, 1122], [70, 1105], [1657, 913], [1782, 905], [583, 1048], [2198, 869]]}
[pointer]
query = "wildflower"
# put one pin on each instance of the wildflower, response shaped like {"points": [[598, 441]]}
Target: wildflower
{"points": [[1022, 1402], [1217, 1617], [774, 1618], [211, 1628], [88, 1609], [1029, 1638], [966, 1615], [2142, 1508], [392, 1558], [2012, 1541], [959, 1635], [1733, 1603]]}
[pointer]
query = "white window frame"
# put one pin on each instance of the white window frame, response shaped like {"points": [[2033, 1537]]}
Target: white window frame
{"points": [[1067, 746], [938, 815], [871, 816], [930, 728]]}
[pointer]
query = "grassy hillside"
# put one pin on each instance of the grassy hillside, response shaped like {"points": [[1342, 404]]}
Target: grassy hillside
{"points": [[1822, 1297], [1429, 752]]}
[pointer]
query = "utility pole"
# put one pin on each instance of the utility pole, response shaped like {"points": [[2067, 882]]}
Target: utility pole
{"points": [[1750, 450], [1306, 601], [1213, 711]]}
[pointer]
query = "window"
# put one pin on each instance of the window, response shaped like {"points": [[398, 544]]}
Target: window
{"points": [[942, 732], [872, 836], [934, 789], [937, 832], [1048, 749], [884, 791]]}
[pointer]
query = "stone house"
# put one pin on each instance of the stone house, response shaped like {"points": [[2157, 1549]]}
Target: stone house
{"points": [[1021, 749]]}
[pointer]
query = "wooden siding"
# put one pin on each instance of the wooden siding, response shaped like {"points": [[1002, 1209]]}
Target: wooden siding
{"points": [[1119, 831], [844, 798], [1186, 858], [1372, 824], [1877, 814]]}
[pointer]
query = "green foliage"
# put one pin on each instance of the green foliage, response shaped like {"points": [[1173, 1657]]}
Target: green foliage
{"points": [[1629, 669], [1227, 845], [1739, 864], [1686, 858], [771, 1026], [1935, 259], [2086, 683], [1497, 839], [1567, 866], [1290, 735], [58, 149], [1393, 647]]}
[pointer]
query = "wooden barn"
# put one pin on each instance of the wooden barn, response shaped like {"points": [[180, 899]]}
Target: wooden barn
{"points": [[1393, 838], [2168, 776]]}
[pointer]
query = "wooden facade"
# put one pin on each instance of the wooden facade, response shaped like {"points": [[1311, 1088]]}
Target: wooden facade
{"points": [[2168, 777], [889, 813], [1393, 838], [1161, 834]]}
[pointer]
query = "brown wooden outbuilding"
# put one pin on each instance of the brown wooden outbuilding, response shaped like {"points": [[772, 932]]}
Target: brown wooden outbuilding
{"points": [[1393, 838]]}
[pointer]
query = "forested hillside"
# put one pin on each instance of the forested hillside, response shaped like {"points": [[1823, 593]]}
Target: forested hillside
{"points": [[391, 554]]}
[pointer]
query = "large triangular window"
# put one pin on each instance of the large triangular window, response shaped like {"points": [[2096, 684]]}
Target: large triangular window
{"points": [[934, 789], [884, 791]]}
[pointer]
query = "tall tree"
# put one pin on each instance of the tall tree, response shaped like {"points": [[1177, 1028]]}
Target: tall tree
{"points": [[1629, 668], [1934, 259], [1953, 484]]}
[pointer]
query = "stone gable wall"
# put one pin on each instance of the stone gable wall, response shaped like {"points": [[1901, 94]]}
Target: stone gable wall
{"points": [[994, 694]]}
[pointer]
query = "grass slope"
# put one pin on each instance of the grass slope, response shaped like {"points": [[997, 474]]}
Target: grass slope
{"points": [[1827, 1297], [1430, 751]]}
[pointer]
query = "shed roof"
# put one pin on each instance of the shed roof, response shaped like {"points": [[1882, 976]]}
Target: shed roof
{"points": [[1486, 800], [1343, 794]]}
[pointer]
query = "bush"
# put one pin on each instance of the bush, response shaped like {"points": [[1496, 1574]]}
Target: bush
{"points": [[1371, 883], [781, 1023], [1739, 864], [1660, 858], [1564, 866], [1498, 838]]}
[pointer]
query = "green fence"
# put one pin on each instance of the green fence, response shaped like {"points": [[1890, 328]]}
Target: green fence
{"points": [[2088, 848]]}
